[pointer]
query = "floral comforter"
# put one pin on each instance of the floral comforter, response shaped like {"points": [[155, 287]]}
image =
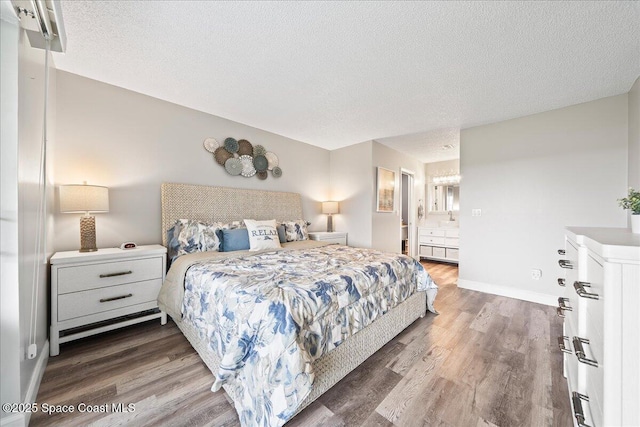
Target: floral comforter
{"points": [[270, 315]]}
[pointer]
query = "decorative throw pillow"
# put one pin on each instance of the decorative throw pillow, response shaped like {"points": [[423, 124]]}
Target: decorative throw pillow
{"points": [[236, 239], [188, 236], [262, 234], [282, 234], [296, 230]]}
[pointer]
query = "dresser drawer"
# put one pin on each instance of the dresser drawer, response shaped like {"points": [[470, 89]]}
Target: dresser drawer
{"points": [[439, 252], [105, 274], [428, 240], [426, 250], [431, 232], [453, 232], [78, 304], [451, 241], [451, 253]]}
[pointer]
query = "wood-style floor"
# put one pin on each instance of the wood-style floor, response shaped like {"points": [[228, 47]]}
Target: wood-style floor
{"points": [[483, 361]]}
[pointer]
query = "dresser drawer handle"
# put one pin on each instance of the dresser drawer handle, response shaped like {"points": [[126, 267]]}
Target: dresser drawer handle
{"points": [[560, 282], [580, 290], [565, 263], [561, 252], [561, 345], [578, 412], [577, 346], [121, 273], [115, 298], [562, 306]]}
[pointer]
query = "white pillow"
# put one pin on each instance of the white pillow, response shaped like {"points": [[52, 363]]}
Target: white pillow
{"points": [[262, 234]]}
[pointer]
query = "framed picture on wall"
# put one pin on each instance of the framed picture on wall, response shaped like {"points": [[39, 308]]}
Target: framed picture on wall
{"points": [[386, 189]]}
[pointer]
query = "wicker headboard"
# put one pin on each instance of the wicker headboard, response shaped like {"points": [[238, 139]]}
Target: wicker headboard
{"points": [[224, 204]]}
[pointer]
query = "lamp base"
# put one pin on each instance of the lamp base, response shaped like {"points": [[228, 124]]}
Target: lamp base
{"points": [[330, 223], [88, 234]]}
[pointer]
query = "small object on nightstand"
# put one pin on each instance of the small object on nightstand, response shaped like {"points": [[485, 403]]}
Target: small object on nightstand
{"points": [[128, 245], [337, 237]]}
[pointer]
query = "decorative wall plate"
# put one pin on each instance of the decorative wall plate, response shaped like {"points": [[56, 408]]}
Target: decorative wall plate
{"points": [[231, 145], [262, 174], [210, 144], [277, 172], [233, 166], [221, 155], [259, 150], [272, 159], [260, 163], [247, 166], [245, 148]]}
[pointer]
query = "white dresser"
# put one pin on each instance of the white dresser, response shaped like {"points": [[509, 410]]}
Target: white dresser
{"points": [[116, 285], [337, 237], [601, 310], [439, 243]]}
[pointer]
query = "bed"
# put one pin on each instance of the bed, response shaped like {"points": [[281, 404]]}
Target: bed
{"points": [[279, 327]]}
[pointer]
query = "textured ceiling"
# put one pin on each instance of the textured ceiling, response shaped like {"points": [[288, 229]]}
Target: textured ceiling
{"points": [[337, 73]]}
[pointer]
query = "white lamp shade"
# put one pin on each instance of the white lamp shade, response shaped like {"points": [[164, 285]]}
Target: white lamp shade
{"points": [[330, 207], [84, 198]]}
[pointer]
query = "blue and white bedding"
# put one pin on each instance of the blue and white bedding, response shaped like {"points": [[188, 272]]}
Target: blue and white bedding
{"points": [[269, 315]]}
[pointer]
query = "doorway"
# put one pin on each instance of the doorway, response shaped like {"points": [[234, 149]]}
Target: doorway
{"points": [[407, 228]]}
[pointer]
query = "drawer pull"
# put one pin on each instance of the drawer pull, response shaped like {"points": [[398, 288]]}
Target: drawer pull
{"points": [[121, 273], [562, 306], [560, 282], [578, 412], [577, 346], [561, 345], [565, 263], [561, 252], [115, 298], [580, 290]]}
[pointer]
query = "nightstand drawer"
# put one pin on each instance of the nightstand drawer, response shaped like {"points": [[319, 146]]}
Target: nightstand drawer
{"points": [[78, 304], [427, 240], [106, 274]]}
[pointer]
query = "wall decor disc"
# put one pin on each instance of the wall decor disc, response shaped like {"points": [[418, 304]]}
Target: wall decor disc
{"points": [[231, 145], [258, 150], [272, 159], [277, 172], [260, 163], [233, 166], [221, 155], [245, 148], [262, 174], [247, 166], [210, 144]]}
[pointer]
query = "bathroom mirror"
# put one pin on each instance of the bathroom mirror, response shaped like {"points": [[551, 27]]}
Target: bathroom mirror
{"points": [[444, 198]]}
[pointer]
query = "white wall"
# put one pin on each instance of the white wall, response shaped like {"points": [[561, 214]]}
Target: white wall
{"points": [[132, 143], [634, 136], [532, 176], [386, 231], [22, 124], [353, 187], [9, 266]]}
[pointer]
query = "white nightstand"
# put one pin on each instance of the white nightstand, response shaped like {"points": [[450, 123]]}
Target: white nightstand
{"points": [[90, 288], [338, 237]]}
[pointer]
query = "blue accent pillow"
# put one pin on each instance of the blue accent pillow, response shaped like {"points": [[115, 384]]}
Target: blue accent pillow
{"points": [[282, 234], [234, 240]]}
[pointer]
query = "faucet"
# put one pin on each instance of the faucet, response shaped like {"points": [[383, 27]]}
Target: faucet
{"points": [[451, 218]]}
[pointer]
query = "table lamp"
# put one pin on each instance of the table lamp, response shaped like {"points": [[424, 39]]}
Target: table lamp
{"points": [[330, 208], [85, 199]]}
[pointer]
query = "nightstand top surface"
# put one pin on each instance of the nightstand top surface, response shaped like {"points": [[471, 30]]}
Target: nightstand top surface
{"points": [[106, 254]]}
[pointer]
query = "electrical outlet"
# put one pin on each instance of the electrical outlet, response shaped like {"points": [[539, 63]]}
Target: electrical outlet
{"points": [[536, 274], [476, 212]]}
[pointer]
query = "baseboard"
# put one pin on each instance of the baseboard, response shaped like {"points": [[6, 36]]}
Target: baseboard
{"points": [[510, 292], [14, 420]]}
